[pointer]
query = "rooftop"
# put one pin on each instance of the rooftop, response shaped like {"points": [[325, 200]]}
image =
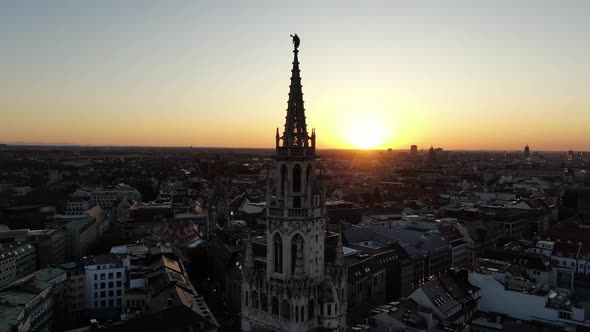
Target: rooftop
{"points": [[102, 259]]}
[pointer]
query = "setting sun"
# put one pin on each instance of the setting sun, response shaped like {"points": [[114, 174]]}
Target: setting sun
{"points": [[367, 133]]}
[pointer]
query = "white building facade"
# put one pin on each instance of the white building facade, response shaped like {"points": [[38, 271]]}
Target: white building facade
{"points": [[105, 281]]}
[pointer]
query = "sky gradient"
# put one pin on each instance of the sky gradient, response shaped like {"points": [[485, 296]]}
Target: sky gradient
{"points": [[455, 74]]}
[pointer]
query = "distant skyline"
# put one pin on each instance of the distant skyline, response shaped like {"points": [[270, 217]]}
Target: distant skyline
{"points": [[462, 75]]}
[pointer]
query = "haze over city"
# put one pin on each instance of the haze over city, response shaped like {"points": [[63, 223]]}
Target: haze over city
{"points": [[461, 75], [329, 166]]}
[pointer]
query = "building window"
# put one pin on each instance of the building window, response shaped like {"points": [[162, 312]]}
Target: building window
{"points": [[111, 284], [285, 309], [278, 253], [118, 284], [118, 274], [296, 242], [297, 178], [254, 299], [275, 306], [283, 178], [264, 302]]}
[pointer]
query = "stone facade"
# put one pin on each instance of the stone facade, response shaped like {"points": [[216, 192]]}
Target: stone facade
{"points": [[296, 290]]}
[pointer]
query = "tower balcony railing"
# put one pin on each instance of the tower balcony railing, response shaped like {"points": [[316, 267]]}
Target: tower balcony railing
{"points": [[293, 213], [295, 152], [301, 213]]}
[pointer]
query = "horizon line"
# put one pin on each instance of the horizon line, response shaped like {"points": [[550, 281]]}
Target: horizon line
{"points": [[73, 145]]}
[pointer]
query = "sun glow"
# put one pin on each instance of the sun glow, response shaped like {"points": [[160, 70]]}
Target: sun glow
{"points": [[367, 133]]}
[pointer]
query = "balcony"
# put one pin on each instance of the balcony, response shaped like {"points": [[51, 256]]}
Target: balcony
{"points": [[295, 153], [291, 213]]}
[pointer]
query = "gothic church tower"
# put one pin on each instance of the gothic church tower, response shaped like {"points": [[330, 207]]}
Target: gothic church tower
{"points": [[296, 290]]}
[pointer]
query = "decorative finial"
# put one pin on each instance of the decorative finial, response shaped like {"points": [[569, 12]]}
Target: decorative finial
{"points": [[296, 40]]}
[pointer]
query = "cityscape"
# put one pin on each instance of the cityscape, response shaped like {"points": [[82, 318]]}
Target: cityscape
{"points": [[318, 222]]}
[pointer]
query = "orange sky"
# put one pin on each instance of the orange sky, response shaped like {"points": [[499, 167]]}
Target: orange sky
{"points": [[474, 76]]}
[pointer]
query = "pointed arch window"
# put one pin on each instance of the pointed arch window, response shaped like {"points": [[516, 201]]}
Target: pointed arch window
{"points": [[278, 253], [285, 309], [296, 241], [297, 178], [275, 306], [264, 302], [311, 309], [284, 174], [254, 299]]}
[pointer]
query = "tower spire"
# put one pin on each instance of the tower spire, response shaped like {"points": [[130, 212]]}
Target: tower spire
{"points": [[295, 133]]}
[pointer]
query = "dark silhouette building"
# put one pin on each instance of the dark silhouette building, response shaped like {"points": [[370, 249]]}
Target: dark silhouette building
{"points": [[295, 290]]}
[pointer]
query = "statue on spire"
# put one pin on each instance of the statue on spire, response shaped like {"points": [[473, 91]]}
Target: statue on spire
{"points": [[296, 40]]}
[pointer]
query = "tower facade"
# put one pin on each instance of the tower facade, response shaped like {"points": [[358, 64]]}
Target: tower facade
{"points": [[527, 151], [295, 290]]}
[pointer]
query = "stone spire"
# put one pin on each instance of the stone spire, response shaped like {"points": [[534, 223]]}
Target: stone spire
{"points": [[295, 127]]}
